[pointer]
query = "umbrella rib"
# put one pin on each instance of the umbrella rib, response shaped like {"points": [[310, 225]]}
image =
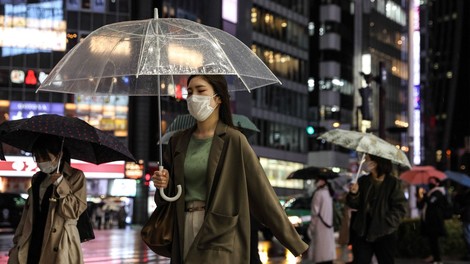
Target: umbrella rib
{"points": [[223, 51], [141, 55]]}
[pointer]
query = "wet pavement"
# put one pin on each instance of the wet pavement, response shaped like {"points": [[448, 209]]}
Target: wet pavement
{"points": [[125, 246]]}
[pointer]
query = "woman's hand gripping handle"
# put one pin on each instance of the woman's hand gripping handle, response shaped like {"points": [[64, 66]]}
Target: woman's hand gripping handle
{"points": [[160, 179]]}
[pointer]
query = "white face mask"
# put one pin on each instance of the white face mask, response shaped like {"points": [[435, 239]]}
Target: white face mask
{"points": [[48, 166], [199, 106]]}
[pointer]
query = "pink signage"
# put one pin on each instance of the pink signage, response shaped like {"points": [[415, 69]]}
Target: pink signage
{"points": [[19, 166]]}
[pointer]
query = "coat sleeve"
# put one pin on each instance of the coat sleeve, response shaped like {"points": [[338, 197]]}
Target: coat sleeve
{"points": [[397, 203], [71, 195], [19, 228], [264, 203]]}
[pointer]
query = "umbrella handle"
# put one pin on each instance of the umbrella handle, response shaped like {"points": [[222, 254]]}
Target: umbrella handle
{"points": [[170, 199], [360, 168]]}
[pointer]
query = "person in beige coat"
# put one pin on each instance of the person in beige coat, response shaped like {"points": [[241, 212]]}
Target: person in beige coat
{"points": [[47, 232], [222, 181]]}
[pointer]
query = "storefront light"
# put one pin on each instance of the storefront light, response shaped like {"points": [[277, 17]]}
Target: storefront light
{"points": [[17, 76]]}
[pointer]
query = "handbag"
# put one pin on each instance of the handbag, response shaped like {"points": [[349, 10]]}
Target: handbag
{"points": [[157, 233], [85, 228]]}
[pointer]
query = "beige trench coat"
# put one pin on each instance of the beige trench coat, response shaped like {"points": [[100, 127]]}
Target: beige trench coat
{"points": [[61, 242], [242, 188]]}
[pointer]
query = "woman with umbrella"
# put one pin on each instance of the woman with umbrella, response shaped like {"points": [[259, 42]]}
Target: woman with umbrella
{"points": [[223, 183], [322, 233], [48, 232], [381, 205]]}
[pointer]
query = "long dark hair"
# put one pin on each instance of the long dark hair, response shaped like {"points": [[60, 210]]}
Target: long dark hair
{"points": [[328, 186], [384, 166], [219, 83]]}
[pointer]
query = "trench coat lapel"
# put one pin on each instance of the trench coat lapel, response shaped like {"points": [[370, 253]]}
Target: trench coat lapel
{"points": [[178, 170], [214, 156]]}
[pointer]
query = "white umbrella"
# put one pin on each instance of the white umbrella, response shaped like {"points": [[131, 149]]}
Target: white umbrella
{"points": [[366, 143]]}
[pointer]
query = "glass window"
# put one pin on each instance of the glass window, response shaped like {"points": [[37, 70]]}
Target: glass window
{"points": [[277, 171], [280, 136], [281, 64], [278, 27]]}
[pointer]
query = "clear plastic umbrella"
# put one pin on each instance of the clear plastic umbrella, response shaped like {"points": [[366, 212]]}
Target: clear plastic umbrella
{"points": [[146, 57]]}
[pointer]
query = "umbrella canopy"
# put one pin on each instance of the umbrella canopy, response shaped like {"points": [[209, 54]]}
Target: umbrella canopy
{"points": [[421, 174], [186, 121], [83, 141], [366, 143], [313, 173], [141, 57], [458, 177]]}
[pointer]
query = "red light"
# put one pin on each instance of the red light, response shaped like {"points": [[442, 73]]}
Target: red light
{"points": [[30, 78], [147, 177], [178, 92]]}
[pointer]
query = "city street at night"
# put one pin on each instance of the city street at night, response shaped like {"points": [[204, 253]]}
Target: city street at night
{"points": [[124, 246]]}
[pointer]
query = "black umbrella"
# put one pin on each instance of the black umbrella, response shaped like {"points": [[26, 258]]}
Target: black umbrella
{"points": [[83, 141], [311, 173]]}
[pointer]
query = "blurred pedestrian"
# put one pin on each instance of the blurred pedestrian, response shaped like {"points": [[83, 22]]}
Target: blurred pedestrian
{"points": [[99, 215], [381, 205], [223, 182], [462, 204], [121, 217], [48, 232], [432, 205], [322, 244]]}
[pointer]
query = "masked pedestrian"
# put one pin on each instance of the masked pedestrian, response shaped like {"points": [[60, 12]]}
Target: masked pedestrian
{"points": [[47, 232], [223, 182], [380, 206]]}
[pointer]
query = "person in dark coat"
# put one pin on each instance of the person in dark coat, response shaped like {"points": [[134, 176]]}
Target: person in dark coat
{"points": [[432, 205], [381, 205]]}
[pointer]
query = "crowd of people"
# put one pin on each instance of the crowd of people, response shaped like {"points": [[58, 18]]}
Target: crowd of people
{"points": [[373, 211], [225, 194]]}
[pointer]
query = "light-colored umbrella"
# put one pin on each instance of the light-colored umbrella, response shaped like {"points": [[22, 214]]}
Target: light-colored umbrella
{"points": [[181, 122], [460, 178], [421, 174], [366, 143], [145, 57]]}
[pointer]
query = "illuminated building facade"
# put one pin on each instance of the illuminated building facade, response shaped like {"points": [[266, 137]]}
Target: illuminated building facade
{"points": [[444, 83], [34, 36], [349, 37]]}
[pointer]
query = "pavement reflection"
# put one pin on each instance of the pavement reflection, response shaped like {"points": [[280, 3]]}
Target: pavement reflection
{"points": [[125, 246]]}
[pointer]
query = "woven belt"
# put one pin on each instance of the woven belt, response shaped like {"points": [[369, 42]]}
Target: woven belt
{"points": [[194, 209]]}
